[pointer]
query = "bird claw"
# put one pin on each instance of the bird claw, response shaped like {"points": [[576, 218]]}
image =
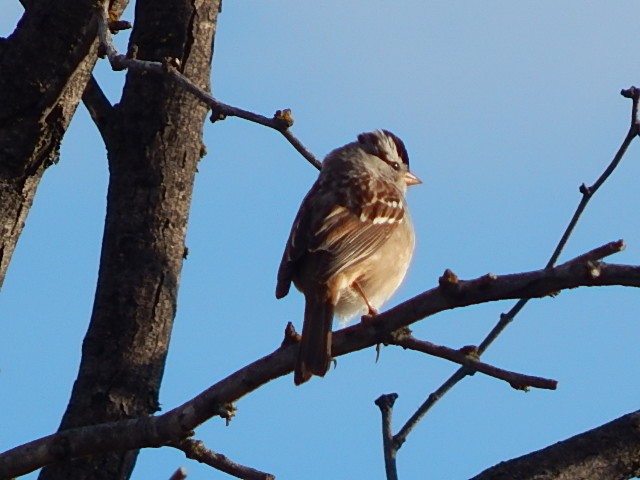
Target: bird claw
{"points": [[378, 350]]}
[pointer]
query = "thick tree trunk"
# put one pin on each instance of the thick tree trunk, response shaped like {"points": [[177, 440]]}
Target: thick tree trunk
{"points": [[44, 67], [154, 143], [608, 452]]}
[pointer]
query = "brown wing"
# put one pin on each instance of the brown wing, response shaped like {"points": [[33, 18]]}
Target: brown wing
{"points": [[353, 234], [349, 230], [297, 244]]}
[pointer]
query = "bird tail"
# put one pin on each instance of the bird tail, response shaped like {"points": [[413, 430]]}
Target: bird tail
{"points": [[314, 355]]}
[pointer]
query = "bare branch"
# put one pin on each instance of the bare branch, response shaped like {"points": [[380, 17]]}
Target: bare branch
{"points": [[196, 450], [281, 120], [609, 451], [178, 423], [431, 400], [467, 357], [599, 253], [297, 144], [588, 270], [98, 105], [385, 404], [506, 318], [588, 192], [468, 292], [179, 474]]}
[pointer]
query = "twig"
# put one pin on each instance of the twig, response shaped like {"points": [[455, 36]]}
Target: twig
{"points": [[385, 403], [506, 318], [599, 253], [468, 358], [179, 474], [587, 192], [196, 450], [281, 120]]}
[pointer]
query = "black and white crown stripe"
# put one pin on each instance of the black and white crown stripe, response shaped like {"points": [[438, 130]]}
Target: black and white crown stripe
{"points": [[386, 145]]}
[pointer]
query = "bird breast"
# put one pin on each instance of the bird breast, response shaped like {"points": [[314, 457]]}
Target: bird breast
{"points": [[379, 275]]}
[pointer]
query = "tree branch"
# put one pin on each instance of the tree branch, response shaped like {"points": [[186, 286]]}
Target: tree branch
{"points": [[609, 451], [632, 93], [197, 450], [587, 193], [176, 424], [281, 120], [98, 105], [467, 357], [151, 177], [385, 404], [591, 269], [179, 474], [43, 70]]}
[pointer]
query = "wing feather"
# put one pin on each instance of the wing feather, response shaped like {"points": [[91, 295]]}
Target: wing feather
{"points": [[351, 235], [349, 230]]}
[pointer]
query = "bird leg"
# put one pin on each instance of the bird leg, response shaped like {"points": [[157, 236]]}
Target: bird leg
{"points": [[372, 311], [357, 288]]}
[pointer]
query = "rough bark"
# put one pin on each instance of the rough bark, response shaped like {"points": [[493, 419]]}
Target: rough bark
{"points": [[609, 452], [154, 142], [44, 67]]}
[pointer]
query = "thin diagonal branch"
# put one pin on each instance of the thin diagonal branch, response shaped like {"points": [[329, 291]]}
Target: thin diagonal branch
{"points": [[281, 120], [178, 423], [98, 105], [197, 450], [506, 318], [587, 192], [598, 253], [468, 358]]}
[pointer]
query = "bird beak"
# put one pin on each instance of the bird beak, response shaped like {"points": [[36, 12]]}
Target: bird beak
{"points": [[411, 179]]}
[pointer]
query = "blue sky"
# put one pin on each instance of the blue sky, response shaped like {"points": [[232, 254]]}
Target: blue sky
{"points": [[505, 108]]}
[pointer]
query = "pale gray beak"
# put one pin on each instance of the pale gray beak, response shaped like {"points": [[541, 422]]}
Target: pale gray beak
{"points": [[411, 179]]}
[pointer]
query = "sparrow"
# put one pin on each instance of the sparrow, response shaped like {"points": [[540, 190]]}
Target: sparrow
{"points": [[351, 241]]}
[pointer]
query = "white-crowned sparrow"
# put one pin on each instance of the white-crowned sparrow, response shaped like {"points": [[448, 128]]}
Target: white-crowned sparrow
{"points": [[351, 241]]}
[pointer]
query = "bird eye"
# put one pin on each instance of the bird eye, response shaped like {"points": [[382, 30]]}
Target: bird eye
{"points": [[395, 165]]}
